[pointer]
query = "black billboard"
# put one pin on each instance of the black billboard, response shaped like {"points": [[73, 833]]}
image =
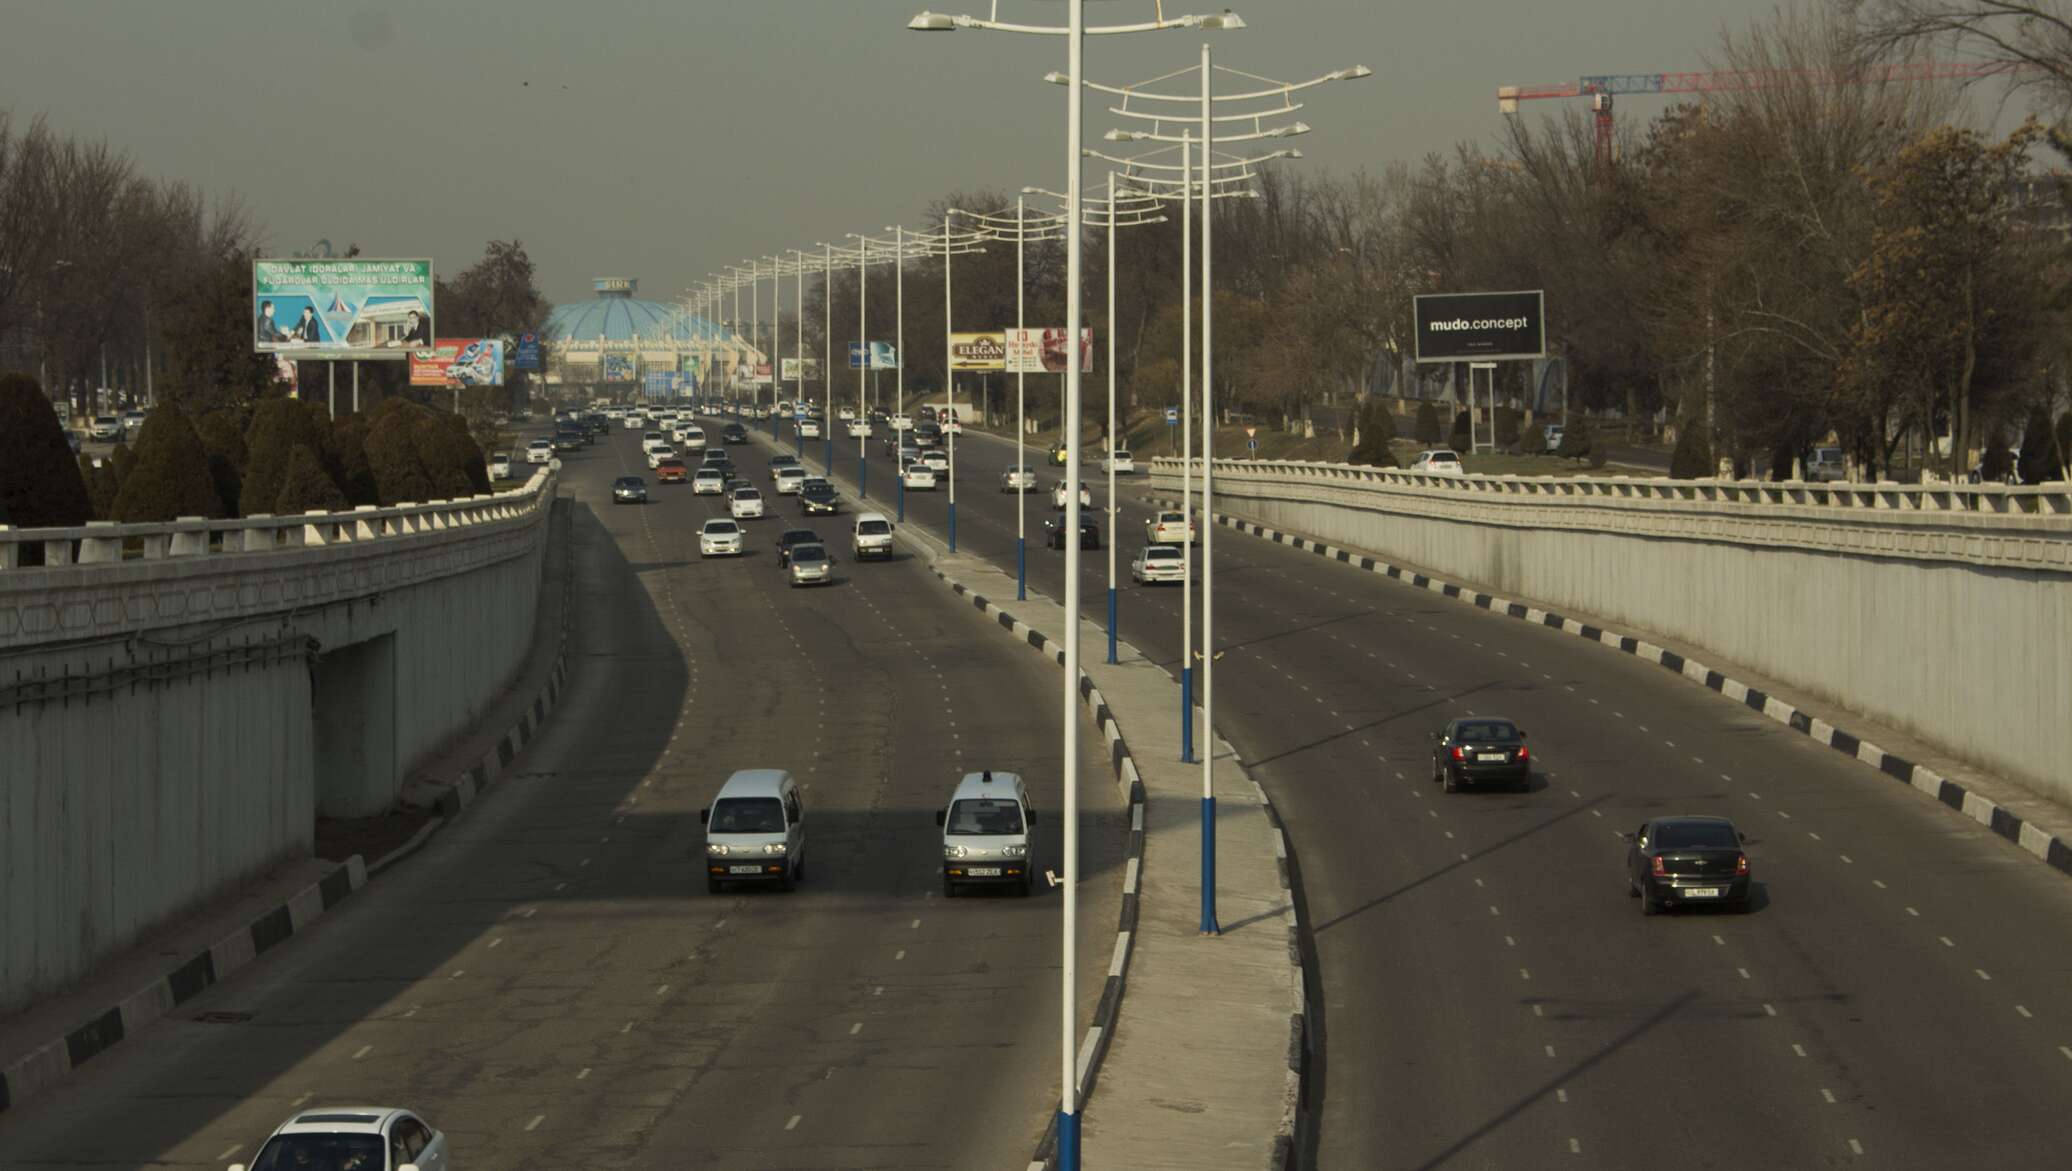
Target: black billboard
{"points": [[1481, 327]]}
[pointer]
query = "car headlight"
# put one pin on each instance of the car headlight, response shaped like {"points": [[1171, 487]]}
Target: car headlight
{"points": [[954, 851], [773, 848], [1014, 851], [717, 849]]}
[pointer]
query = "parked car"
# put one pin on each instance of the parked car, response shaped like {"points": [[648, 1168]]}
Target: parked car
{"points": [[1438, 461], [1552, 433], [1826, 465]]}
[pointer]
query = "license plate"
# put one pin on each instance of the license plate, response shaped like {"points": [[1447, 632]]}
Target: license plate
{"points": [[1701, 892], [1497, 757], [744, 870], [983, 871]]}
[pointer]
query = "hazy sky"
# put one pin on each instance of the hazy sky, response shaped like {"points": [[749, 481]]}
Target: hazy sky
{"points": [[661, 140]]}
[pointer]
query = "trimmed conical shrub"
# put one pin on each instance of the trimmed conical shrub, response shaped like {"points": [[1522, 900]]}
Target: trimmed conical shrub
{"points": [[307, 487], [171, 476], [40, 483]]}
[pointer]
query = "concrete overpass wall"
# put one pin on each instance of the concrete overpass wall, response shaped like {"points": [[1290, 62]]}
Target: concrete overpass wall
{"points": [[179, 702], [1945, 611]]}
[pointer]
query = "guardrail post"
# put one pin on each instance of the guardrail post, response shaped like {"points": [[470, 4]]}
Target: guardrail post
{"points": [[366, 527], [258, 537], [191, 538], [10, 549], [93, 549]]}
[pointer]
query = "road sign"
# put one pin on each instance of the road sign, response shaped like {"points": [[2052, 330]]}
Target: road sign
{"points": [[1253, 444], [1172, 416], [1251, 432]]}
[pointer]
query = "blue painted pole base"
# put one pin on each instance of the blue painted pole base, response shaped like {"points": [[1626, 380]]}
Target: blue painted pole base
{"points": [[1187, 714], [1111, 624], [863, 480], [953, 526], [1208, 867], [902, 500], [828, 461], [1068, 1141], [1021, 569]]}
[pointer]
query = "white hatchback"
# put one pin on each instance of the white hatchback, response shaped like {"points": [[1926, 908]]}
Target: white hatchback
{"points": [[788, 480], [709, 482], [1438, 461], [539, 451], [1168, 527], [720, 537], [745, 504], [1121, 462], [1018, 478]]}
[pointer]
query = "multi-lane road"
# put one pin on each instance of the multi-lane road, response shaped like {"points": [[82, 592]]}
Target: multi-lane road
{"points": [[550, 982], [1490, 997]]}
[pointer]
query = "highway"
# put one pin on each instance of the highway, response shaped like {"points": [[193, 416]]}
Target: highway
{"points": [[1899, 997], [549, 981]]}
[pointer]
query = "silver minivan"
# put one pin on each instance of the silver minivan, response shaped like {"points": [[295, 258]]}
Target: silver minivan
{"points": [[985, 833], [755, 830]]}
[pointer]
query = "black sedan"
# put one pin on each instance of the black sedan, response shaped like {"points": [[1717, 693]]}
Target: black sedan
{"points": [[791, 537], [817, 497], [1054, 532], [569, 439], [629, 490], [1481, 750], [1672, 861], [733, 433]]}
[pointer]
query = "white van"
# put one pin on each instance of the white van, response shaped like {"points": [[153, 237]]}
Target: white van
{"points": [[755, 830], [872, 536], [985, 833]]}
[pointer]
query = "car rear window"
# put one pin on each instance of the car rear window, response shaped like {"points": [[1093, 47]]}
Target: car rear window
{"points": [[747, 815], [1488, 731], [1686, 835], [984, 815]]}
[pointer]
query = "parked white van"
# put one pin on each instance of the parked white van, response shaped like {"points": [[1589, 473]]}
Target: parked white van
{"points": [[985, 834], [755, 830]]}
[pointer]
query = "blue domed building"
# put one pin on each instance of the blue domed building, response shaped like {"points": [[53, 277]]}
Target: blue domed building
{"points": [[617, 340]]}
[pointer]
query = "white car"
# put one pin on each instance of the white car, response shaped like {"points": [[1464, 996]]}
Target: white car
{"points": [[359, 1136], [788, 480], [1018, 478], [1059, 496], [107, 427], [634, 421], [745, 504], [1121, 462], [500, 465], [1438, 461], [1155, 563], [1165, 528], [690, 438], [809, 428], [872, 536], [936, 460], [720, 537], [709, 482], [1826, 466], [951, 425], [917, 475], [900, 423], [133, 421], [658, 453], [615, 412], [539, 451], [650, 440], [859, 429], [845, 414]]}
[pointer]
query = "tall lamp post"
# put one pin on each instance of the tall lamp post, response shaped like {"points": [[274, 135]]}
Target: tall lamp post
{"points": [[1205, 120], [1075, 33]]}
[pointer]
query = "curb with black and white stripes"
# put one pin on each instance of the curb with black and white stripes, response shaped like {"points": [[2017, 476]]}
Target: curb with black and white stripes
{"points": [[2052, 849], [26, 1076]]}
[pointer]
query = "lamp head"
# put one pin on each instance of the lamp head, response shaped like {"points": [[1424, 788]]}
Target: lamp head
{"points": [[1227, 21], [1350, 74], [1056, 78], [933, 22]]}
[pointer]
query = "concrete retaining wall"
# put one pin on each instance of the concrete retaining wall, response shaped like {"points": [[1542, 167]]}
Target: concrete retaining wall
{"points": [[172, 725], [1943, 611]]}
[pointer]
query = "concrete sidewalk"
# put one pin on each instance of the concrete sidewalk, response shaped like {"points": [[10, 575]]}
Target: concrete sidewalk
{"points": [[1204, 1065]]}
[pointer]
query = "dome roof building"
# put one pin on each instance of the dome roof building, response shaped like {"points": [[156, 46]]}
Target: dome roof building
{"points": [[620, 339]]}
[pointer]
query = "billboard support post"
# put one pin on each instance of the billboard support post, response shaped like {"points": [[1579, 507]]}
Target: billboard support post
{"points": [[356, 388], [1488, 370], [331, 395]]}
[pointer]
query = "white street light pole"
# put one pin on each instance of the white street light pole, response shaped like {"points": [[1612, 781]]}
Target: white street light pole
{"points": [[949, 377], [1113, 512], [798, 327], [827, 358], [1209, 926], [1021, 418], [899, 339], [863, 268], [1186, 444]]}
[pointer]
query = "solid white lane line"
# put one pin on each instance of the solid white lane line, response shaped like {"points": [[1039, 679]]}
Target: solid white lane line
{"points": [[458, 973], [364, 1051], [535, 1123], [1549, 1049], [230, 1150], [661, 989], [856, 1028], [794, 1122], [583, 1073], [1827, 1094]]}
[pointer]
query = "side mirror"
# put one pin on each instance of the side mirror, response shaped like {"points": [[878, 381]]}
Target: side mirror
{"points": [[1742, 837], [704, 815], [939, 817], [1521, 733]]}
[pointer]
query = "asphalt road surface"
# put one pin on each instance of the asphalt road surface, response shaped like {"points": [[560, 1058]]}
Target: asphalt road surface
{"points": [[549, 981], [1901, 995]]}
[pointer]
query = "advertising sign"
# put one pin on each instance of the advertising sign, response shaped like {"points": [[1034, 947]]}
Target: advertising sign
{"points": [[760, 376], [617, 367], [1043, 351], [526, 355], [318, 309], [454, 362], [1483, 327], [978, 351], [882, 356], [661, 383], [791, 369]]}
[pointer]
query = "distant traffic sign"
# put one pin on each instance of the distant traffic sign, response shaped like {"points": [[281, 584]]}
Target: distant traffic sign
{"points": [[1172, 416]]}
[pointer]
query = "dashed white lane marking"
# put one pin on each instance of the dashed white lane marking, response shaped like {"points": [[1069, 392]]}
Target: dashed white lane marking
{"points": [[559, 887], [1855, 1148], [1846, 860], [535, 1123], [364, 1051], [1525, 973], [661, 989], [1982, 973], [1493, 910], [1879, 883], [1575, 1146], [915, 923], [584, 862], [1947, 941], [856, 1028], [1827, 1094], [458, 973], [1721, 940], [900, 954], [297, 1103], [582, 1073], [1913, 912], [1798, 1049], [1769, 1010], [793, 1123], [626, 1028], [2026, 1014], [1549, 1049], [1561, 1095], [1743, 972], [2066, 1050], [230, 1150]]}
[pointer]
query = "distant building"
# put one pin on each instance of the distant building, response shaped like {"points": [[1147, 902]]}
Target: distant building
{"points": [[613, 343]]}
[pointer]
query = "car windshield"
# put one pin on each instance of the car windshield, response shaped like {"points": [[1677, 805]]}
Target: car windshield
{"points": [[798, 537], [747, 815], [1486, 732], [985, 815], [321, 1152], [1685, 835], [747, 494], [872, 528], [721, 528], [808, 553]]}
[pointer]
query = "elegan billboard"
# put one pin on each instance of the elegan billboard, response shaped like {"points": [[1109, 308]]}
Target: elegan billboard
{"points": [[454, 362], [358, 308], [1481, 327], [978, 352], [1044, 351]]}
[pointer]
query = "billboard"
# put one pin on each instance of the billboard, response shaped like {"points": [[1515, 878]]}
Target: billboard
{"points": [[1481, 327], [454, 362], [791, 369], [978, 351], [617, 367], [526, 355], [882, 356], [327, 309], [1043, 351], [661, 383]]}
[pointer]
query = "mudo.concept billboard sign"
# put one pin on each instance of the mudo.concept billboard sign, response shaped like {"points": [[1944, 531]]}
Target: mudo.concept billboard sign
{"points": [[1481, 327]]}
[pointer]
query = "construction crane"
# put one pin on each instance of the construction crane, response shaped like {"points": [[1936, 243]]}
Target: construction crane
{"points": [[1603, 88]]}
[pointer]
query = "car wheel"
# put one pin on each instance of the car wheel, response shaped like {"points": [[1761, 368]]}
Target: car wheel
{"points": [[712, 886], [949, 889], [790, 880], [1647, 905]]}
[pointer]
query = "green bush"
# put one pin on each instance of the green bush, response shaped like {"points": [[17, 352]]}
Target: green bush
{"points": [[1692, 459], [279, 426], [171, 476], [307, 487], [225, 445], [1463, 437], [1427, 423], [40, 485], [1533, 440], [1577, 441]]}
